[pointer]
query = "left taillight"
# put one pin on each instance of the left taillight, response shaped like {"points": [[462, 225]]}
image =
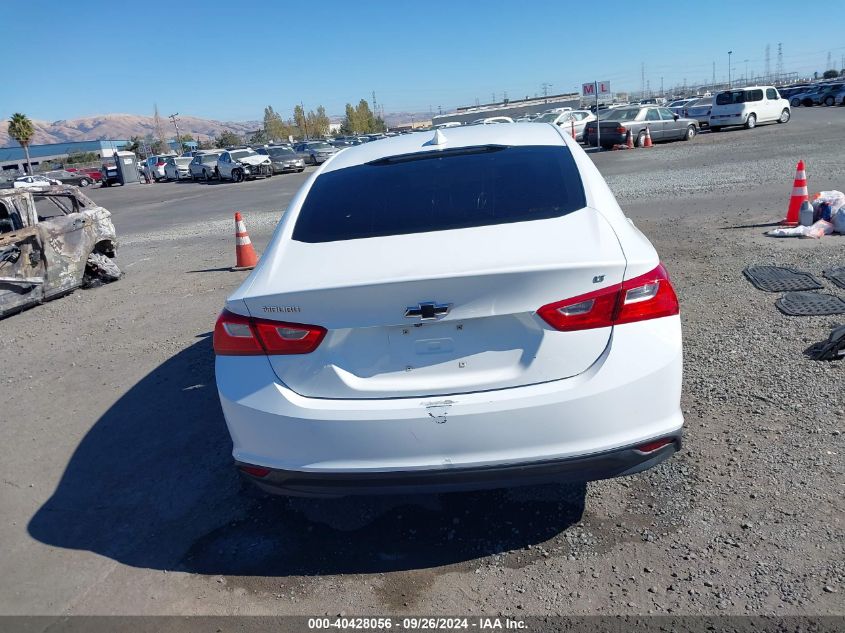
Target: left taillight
{"points": [[648, 296], [236, 335]]}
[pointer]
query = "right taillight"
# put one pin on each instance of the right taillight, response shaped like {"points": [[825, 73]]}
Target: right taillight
{"points": [[236, 335], [621, 129], [648, 296]]}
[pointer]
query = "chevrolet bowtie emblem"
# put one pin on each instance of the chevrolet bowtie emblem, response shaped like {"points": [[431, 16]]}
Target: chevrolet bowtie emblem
{"points": [[427, 311]]}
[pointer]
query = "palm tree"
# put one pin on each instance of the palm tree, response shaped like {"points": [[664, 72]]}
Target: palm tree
{"points": [[22, 130]]}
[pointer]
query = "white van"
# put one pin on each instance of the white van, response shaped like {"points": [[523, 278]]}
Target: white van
{"points": [[748, 107]]}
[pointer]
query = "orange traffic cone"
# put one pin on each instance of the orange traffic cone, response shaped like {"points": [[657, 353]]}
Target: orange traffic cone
{"points": [[244, 252], [573, 129], [647, 142], [799, 196], [629, 140]]}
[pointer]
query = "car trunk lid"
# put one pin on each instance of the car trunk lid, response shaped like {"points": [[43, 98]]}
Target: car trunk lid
{"points": [[482, 285]]}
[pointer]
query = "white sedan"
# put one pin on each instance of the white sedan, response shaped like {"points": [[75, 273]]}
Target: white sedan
{"points": [[178, 168], [34, 182], [569, 120], [451, 311]]}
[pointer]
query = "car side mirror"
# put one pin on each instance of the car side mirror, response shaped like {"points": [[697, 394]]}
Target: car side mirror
{"points": [[676, 116]]}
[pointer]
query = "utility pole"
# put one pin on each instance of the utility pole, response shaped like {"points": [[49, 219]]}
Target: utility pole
{"points": [[642, 79], [439, 109], [746, 71], [304, 120], [780, 61], [662, 94], [375, 107], [768, 62], [545, 88], [172, 117], [714, 74], [730, 84]]}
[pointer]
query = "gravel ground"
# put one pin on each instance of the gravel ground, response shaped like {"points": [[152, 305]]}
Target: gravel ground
{"points": [[118, 497]]}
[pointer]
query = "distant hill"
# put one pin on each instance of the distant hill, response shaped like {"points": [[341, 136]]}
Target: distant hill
{"points": [[124, 126]]}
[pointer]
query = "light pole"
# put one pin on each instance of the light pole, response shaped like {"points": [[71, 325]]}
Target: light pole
{"points": [[730, 84], [172, 117]]}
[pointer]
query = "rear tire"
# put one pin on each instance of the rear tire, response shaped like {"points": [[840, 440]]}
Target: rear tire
{"points": [[640, 139], [83, 183], [784, 116], [751, 122], [829, 100], [691, 132], [795, 103]]}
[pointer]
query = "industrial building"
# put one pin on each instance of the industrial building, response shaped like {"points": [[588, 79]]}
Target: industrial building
{"points": [[13, 159]]}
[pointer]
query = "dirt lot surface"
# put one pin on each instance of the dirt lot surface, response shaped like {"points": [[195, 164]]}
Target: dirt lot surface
{"points": [[118, 495]]}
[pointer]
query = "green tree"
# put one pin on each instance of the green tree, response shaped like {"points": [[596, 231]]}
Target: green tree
{"points": [[22, 130], [274, 128], [318, 122], [259, 137], [227, 138], [300, 121], [347, 125], [830, 74], [81, 157], [135, 144], [206, 144]]}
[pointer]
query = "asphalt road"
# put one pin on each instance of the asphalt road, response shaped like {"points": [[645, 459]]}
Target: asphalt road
{"points": [[117, 494]]}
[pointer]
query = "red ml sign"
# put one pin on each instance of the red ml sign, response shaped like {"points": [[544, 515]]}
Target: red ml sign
{"points": [[589, 90]]}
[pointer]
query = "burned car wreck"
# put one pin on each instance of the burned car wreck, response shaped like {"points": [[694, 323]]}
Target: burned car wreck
{"points": [[52, 241]]}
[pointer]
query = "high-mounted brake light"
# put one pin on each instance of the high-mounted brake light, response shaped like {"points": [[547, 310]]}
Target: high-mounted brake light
{"points": [[236, 335], [648, 296]]}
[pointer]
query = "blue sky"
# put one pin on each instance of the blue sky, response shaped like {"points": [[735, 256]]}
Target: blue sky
{"points": [[224, 61]]}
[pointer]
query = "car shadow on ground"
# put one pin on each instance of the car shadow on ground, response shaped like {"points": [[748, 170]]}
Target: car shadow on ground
{"points": [[152, 485]]}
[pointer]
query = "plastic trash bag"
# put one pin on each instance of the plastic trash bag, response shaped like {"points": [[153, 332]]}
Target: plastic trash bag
{"points": [[792, 231], [838, 220], [835, 199], [818, 229], [815, 230]]}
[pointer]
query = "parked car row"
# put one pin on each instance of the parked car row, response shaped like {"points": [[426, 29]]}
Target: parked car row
{"points": [[828, 94]]}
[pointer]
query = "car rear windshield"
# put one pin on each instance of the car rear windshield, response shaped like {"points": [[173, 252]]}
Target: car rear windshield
{"points": [[209, 158], [727, 98], [620, 114], [275, 152], [441, 190]]}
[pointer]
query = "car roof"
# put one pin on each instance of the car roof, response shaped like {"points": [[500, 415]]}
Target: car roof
{"points": [[464, 136]]}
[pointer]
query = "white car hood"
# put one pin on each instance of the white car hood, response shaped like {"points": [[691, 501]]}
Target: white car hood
{"points": [[254, 160]]}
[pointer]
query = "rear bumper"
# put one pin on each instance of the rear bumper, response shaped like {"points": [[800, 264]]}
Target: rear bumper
{"points": [[604, 465], [724, 120], [608, 139], [629, 396]]}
